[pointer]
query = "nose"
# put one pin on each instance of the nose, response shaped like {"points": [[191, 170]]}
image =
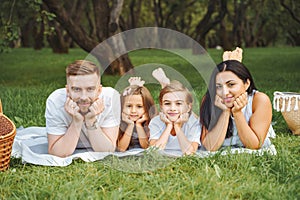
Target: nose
{"points": [[84, 95], [173, 106], [133, 109], [225, 90]]}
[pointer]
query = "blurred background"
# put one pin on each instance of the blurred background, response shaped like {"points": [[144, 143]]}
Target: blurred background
{"points": [[222, 24]]}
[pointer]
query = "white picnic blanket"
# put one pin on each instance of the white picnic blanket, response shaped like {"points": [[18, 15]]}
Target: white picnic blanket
{"points": [[31, 145]]}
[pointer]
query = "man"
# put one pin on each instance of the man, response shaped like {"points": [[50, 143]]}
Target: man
{"points": [[84, 114]]}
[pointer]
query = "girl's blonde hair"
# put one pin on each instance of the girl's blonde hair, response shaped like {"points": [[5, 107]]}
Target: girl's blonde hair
{"points": [[176, 86]]}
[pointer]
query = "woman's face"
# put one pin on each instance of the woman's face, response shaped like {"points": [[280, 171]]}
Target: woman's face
{"points": [[134, 107], [229, 86], [174, 104]]}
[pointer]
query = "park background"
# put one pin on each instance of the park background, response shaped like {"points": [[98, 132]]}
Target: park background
{"points": [[39, 38]]}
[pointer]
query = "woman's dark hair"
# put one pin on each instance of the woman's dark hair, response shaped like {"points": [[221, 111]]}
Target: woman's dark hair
{"points": [[209, 113]]}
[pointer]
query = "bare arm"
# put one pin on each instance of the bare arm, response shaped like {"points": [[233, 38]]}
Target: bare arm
{"points": [[161, 142], [125, 139], [213, 139], [253, 134], [103, 139], [143, 136], [64, 145]]}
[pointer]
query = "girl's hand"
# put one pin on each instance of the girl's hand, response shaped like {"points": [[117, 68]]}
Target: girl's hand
{"points": [[219, 103], [126, 119], [240, 103], [95, 109], [164, 118], [142, 119], [184, 117], [73, 109]]}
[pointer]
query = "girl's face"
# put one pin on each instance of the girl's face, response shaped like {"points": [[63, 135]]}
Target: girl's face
{"points": [[174, 104], [229, 86], [134, 107]]}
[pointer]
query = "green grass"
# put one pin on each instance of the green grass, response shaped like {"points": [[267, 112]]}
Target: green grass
{"points": [[27, 77]]}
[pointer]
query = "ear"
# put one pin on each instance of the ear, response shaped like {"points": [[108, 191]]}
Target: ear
{"points": [[190, 107], [99, 90], [247, 84], [67, 89]]}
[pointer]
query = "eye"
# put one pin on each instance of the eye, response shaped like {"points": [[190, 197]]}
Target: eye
{"points": [[91, 89], [128, 105], [166, 103], [76, 89], [230, 84], [218, 87], [140, 106], [179, 103]]}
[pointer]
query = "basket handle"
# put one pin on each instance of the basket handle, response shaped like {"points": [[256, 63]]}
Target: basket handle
{"points": [[1, 107]]}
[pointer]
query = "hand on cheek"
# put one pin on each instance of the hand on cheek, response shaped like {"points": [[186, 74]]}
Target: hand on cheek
{"points": [[164, 118], [220, 104], [72, 109], [240, 102], [96, 108], [142, 119]]}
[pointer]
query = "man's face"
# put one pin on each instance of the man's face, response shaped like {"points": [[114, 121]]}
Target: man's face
{"points": [[84, 90]]}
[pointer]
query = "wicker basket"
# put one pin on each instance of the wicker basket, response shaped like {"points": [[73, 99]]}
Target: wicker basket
{"points": [[7, 135], [288, 103]]}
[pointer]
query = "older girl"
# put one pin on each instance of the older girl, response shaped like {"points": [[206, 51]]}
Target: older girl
{"points": [[233, 112], [176, 127], [137, 106]]}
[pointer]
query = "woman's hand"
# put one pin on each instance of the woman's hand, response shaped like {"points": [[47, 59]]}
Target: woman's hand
{"points": [[220, 104], [239, 103]]}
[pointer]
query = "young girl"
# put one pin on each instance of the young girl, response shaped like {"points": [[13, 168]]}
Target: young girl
{"points": [[137, 109], [176, 127], [233, 112]]}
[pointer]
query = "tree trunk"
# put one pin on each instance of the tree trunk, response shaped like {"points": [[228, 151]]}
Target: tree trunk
{"points": [[106, 22], [38, 35], [208, 22]]}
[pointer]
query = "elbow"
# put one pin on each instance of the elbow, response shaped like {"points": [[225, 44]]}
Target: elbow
{"points": [[61, 154], [209, 146]]}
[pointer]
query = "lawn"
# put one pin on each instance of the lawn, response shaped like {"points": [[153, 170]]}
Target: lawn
{"points": [[27, 77]]}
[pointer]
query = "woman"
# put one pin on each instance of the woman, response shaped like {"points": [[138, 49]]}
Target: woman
{"points": [[233, 112]]}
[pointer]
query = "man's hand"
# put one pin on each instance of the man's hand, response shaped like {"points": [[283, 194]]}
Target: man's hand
{"points": [[72, 108], [95, 109]]}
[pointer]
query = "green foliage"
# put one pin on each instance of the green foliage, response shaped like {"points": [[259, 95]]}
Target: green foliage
{"points": [[27, 77]]}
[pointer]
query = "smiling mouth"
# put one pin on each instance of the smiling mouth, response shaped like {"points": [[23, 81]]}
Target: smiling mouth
{"points": [[228, 100], [172, 114]]}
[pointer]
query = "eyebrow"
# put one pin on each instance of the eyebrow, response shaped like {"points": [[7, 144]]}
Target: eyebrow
{"points": [[174, 101], [225, 82]]}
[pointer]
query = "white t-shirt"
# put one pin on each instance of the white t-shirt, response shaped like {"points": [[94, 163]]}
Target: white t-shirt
{"points": [[191, 130], [58, 120]]}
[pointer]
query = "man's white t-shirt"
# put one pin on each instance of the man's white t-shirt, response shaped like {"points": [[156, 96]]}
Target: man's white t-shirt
{"points": [[58, 120]]}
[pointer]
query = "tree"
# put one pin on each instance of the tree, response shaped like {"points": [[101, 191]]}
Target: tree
{"points": [[104, 22], [209, 21]]}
